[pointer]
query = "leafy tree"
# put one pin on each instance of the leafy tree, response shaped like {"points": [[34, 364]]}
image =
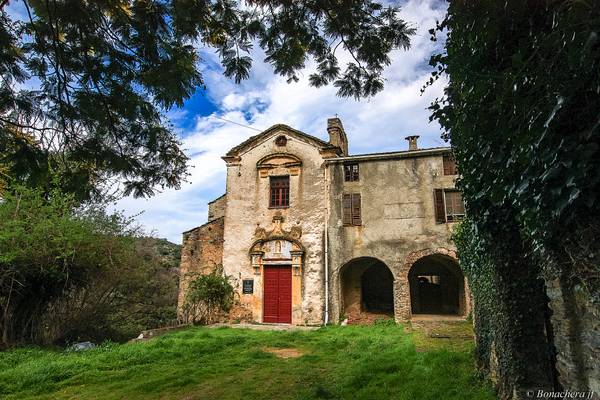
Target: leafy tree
{"points": [[85, 84], [68, 273], [207, 297]]}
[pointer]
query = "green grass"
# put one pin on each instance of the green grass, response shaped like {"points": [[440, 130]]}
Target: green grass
{"points": [[374, 362]]}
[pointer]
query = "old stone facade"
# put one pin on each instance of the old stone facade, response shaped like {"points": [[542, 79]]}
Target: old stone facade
{"points": [[308, 234]]}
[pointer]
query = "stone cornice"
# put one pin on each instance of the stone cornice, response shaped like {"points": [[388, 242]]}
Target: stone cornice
{"points": [[391, 155]]}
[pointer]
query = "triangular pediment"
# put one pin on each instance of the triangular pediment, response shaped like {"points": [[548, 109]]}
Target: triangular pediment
{"points": [[273, 131]]}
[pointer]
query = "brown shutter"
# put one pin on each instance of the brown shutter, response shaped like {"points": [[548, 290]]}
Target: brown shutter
{"points": [[356, 209], [440, 210], [347, 209], [449, 165]]}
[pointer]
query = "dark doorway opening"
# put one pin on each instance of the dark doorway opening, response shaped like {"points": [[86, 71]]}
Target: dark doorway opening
{"points": [[377, 284], [437, 286], [367, 290]]}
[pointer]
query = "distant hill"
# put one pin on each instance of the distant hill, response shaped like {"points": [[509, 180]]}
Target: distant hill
{"points": [[169, 253]]}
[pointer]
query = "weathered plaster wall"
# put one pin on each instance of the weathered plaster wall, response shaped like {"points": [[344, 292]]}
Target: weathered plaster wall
{"points": [[248, 209], [398, 219], [201, 253]]}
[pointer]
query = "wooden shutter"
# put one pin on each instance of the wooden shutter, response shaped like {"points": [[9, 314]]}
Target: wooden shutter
{"points": [[356, 209], [347, 209], [449, 165], [440, 209]]}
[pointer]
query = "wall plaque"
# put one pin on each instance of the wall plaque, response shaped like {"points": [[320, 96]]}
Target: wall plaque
{"points": [[248, 286]]}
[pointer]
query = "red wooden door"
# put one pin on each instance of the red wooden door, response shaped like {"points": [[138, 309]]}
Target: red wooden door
{"points": [[277, 296]]}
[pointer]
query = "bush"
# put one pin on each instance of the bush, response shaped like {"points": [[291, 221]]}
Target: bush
{"points": [[208, 296], [75, 273]]}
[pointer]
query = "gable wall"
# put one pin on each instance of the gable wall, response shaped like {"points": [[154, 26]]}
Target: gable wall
{"points": [[247, 208]]}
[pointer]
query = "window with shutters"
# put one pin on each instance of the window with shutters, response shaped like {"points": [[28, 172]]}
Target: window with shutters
{"points": [[279, 191], [449, 205], [455, 208], [351, 209], [449, 165], [350, 172]]}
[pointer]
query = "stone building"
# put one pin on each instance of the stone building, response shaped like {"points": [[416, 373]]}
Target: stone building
{"points": [[308, 234]]}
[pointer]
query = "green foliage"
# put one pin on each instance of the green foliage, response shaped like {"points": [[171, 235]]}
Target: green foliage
{"points": [[104, 73], [521, 111], [207, 296], [477, 267], [375, 362], [71, 273]]}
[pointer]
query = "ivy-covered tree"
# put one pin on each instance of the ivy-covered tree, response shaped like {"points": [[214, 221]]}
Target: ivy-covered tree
{"points": [[85, 84], [522, 113]]}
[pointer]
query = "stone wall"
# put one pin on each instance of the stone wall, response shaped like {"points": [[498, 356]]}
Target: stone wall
{"points": [[398, 218], [576, 329], [201, 253], [216, 208]]}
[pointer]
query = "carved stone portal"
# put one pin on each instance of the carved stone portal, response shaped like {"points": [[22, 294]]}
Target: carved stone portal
{"points": [[277, 246]]}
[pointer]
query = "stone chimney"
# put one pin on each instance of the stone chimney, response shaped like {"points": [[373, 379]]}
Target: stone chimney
{"points": [[412, 142], [337, 135]]}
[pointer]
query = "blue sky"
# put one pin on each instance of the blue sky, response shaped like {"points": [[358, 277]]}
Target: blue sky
{"points": [[374, 125]]}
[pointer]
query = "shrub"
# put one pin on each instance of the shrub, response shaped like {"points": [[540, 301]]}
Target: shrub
{"points": [[75, 273], [208, 296]]}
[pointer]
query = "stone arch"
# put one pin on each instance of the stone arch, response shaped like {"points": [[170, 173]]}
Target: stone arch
{"points": [[447, 257], [291, 238], [279, 160], [275, 164], [291, 250], [366, 284]]}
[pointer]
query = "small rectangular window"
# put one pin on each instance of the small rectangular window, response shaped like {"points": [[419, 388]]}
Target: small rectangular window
{"points": [[351, 209], [449, 205], [350, 172], [279, 191], [455, 208], [449, 165]]}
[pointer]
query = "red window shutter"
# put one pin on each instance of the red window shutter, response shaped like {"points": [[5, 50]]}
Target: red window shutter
{"points": [[440, 210], [347, 209], [356, 220]]}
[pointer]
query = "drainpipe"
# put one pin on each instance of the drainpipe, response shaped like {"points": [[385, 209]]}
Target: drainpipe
{"points": [[326, 243]]}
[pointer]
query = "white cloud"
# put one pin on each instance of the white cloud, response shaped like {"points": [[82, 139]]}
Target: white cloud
{"points": [[379, 124]]}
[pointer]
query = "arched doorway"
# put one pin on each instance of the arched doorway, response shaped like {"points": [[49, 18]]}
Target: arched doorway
{"points": [[437, 286], [367, 286]]}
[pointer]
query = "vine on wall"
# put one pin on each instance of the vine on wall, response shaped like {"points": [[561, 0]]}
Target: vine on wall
{"points": [[521, 111]]}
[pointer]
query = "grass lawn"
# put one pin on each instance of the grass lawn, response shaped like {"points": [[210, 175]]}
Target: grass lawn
{"points": [[352, 362]]}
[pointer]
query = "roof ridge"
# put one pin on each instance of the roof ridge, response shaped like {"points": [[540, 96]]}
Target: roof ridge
{"points": [[267, 131]]}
